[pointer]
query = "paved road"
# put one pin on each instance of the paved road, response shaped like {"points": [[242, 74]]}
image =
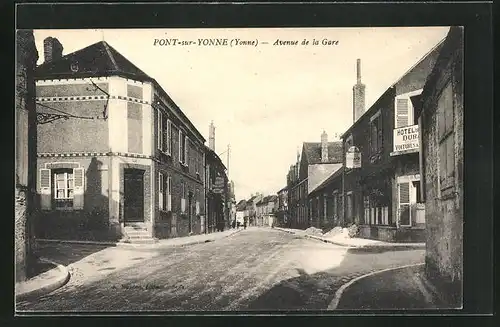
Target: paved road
{"points": [[257, 269]]}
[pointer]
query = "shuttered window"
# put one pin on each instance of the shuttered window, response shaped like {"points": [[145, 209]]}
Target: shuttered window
{"points": [[183, 197], [186, 150], [404, 204]]}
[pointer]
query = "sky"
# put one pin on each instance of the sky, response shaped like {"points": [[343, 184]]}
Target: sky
{"points": [[265, 100]]}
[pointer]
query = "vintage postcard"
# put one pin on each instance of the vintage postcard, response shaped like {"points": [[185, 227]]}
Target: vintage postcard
{"points": [[239, 169]]}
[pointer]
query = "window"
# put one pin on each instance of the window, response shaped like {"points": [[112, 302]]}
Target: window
{"points": [[61, 189], [161, 194], [446, 135], [168, 138], [183, 148], [325, 206], [183, 197], [160, 130], [376, 134], [169, 193], [404, 110], [404, 204], [197, 199]]}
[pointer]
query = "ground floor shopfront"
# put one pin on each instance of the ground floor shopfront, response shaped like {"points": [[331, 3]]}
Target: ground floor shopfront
{"points": [[386, 205]]}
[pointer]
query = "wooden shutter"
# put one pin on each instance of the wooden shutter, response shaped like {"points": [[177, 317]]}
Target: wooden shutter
{"points": [[79, 187], [45, 189], [169, 137], [180, 146], [160, 130], [402, 110], [160, 191]]}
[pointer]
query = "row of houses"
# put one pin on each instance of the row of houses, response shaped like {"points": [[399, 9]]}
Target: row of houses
{"points": [[116, 157], [258, 210], [397, 172]]}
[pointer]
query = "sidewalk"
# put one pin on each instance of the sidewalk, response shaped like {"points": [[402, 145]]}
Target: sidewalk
{"points": [[402, 288], [177, 241], [44, 283], [355, 242], [83, 262]]}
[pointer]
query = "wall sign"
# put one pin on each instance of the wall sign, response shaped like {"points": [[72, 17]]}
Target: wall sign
{"points": [[406, 138], [353, 158]]}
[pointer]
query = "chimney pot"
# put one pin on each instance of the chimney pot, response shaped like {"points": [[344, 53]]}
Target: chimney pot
{"points": [[324, 147], [52, 49]]}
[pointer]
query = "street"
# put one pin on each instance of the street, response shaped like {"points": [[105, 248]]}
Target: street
{"points": [[256, 269]]}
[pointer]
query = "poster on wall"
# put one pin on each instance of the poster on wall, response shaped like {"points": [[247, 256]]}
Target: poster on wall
{"points": [[353, 158]]}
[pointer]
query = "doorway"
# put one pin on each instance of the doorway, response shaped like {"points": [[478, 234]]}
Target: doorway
{"points": [[133, 189]]}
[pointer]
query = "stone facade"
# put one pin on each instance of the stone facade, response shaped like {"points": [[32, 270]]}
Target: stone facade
{"points": [[25, 145], [443, 93]]}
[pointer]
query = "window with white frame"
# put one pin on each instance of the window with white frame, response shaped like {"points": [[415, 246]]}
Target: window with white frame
{"points": [[404, 110], [446, 139], [183, 148], [62, 188], [160, 129]]}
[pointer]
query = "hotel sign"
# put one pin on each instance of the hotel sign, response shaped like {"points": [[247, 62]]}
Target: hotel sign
{"points": [[406, 139], [353, 158]]}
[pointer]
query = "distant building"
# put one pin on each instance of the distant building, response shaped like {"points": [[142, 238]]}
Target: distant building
{"points": [[25, 151], [241, 211], [251, 209], [120, 159], [282, 214], [217, 192], [317, 162], [441, 119]]}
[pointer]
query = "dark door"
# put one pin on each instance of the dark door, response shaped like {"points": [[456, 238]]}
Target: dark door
{"points": [[133, 195]]}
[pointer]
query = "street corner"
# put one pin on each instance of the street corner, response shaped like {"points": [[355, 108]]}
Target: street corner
{"points": [[44, 283]]}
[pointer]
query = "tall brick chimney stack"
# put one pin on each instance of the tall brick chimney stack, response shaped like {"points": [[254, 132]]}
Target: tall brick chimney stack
{"points": [[358, 91], [211, 136], [324, 147], [52, 49]]}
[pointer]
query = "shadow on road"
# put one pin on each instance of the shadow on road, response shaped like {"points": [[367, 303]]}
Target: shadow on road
{"points": [[67, 253], [315, 291]]}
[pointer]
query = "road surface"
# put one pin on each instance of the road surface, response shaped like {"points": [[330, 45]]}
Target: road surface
{"points": [[256, 269]]}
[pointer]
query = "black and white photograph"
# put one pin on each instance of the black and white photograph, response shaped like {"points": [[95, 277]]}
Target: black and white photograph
{"points": [[239, 169]]}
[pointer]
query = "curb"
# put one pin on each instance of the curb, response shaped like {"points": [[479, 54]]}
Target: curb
{"points": [[148, 246], [338, 294], [50, 287], [395, 246]]}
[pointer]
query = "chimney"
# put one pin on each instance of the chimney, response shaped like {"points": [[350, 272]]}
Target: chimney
{"points": [[52, 49], [358, 92], [211, 136], [324, 147]]}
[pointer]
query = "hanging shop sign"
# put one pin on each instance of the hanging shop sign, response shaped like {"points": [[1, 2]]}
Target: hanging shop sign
{"points": [[406, 139], [353, 158]]}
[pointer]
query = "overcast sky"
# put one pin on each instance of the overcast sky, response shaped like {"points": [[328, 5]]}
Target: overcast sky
{"points": [[265, 100]]}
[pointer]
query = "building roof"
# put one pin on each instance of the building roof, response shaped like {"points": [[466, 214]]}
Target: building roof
{"points": [[374, 106], [102, 60], [317, 174], [98, 59], [215, 156], [282, 190], [267, 199], [241, 205], [312, 151], [337, 173]]}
